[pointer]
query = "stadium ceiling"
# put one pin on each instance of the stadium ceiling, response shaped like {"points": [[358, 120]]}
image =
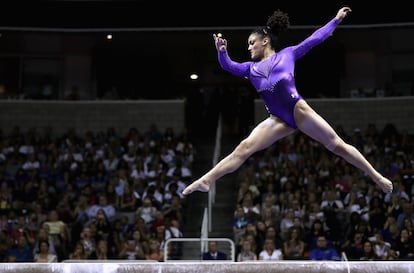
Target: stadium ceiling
{"points": [[198, 14]]}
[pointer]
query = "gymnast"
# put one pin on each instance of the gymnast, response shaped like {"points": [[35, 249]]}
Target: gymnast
{"points": [[271, 73]]}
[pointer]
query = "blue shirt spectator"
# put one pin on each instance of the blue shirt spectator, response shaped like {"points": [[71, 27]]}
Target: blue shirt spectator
{"points": [[323, 252], [20, 252]]}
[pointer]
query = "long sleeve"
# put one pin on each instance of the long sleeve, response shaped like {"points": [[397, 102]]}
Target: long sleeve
{"points": [[235, 68], [316, 38]]}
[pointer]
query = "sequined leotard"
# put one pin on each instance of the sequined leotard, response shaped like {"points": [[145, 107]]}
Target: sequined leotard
{"points": [[273, 78]]}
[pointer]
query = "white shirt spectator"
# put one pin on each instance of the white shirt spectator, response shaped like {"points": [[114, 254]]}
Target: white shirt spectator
{"points": [[31, 164], [111, 163], [275, 256], [185, 172], [173, 231], [26, 149], [147, 211]]}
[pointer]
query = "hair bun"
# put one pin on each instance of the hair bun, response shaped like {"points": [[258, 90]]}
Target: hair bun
{"points": [[278, 22]]}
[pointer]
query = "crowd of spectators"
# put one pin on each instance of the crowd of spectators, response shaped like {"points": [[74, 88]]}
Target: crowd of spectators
{"points": [[298, 201], [92, 195], [109, 196]]}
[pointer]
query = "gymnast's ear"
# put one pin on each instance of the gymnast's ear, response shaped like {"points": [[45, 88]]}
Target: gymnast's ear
{"points": [[266, 40]]}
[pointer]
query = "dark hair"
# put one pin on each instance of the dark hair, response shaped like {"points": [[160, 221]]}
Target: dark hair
{"points": [[43, 241], [277, 23]]}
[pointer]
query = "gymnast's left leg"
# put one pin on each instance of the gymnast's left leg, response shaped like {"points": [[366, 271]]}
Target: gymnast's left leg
{"points": [[313, 125]]}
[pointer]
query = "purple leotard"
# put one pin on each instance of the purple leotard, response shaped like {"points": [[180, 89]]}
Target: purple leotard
{"points": [[273, 78]]}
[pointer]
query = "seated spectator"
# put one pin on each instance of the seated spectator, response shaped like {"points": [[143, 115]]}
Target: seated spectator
{"points": [[42, 255], [404, 246], [407, 213], [78, 253], [381, 247], [270, 252], [139, 224], [58, 233], [31, 163], [260, 236], [213, 252], [390, 231], [251, 238], [102, 204], [160, 237], [134, 247], [272, 233], [355, 248], [178, 181], [21, 251], [179, 169], [312, 214], [286, 223], [251, 210], [239, 224], [269, 202], [43, 234], [80, 215], [174, 209], [311, 236], [147, 211], [246, 253], [173, 230], [110, 161], [368, 253], [294, 247], [159, 221], [101, 252], [87, 239], [409, 225], [268, 217], [154, 192], [172, 190], [155, 252], [20, 228], [323, 252], [102, 224], [334, 212]]}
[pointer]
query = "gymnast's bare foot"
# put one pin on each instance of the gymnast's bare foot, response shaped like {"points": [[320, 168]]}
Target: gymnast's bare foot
{"points": [[385, 184], [200, 185]]}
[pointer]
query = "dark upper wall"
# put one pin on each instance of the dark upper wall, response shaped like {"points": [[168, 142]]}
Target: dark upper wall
{"points": [[151, 14], [157, 64], [92, 116]]}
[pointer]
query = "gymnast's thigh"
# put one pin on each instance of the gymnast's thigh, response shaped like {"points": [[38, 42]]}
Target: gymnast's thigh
{"points": [[313, 125], [267, 132]]}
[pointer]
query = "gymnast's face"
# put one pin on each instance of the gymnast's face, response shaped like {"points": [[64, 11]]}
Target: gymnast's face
{"points": [[256, 46]]}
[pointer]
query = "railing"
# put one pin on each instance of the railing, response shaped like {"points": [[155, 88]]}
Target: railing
{"points": [[216, 157], [205, 228], [201, 247], [137, 266]]}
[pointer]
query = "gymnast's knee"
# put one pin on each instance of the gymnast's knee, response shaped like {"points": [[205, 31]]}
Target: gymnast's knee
{"points": [[243, 149], [332, 145]]}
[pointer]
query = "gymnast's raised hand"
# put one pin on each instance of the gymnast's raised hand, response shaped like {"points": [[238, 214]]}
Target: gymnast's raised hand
{"points": [[220, 42]]}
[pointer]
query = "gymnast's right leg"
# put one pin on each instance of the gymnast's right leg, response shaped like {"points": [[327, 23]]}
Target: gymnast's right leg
{"points": [[264, 135]]}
